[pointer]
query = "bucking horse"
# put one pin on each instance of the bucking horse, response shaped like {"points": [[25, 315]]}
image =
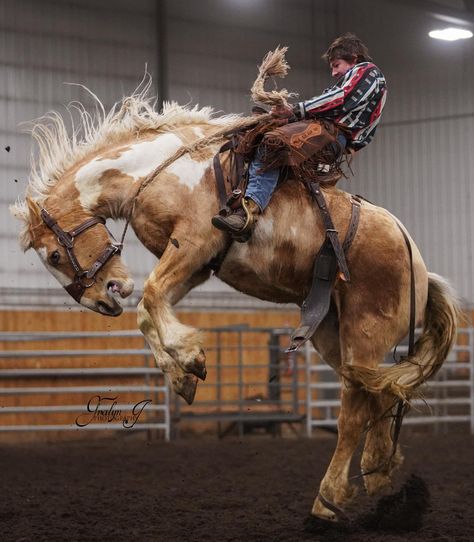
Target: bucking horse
{"points": [[155, 170]]}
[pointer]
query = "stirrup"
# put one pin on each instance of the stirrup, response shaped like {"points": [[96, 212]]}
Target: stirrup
{"points": [[244, 234], [248, 221]]}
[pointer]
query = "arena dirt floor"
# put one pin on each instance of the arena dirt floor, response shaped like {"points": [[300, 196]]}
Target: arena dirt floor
{"points": [[256, 489]]}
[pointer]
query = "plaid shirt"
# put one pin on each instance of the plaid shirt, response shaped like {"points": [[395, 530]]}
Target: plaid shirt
{"points": [[355, 101]]}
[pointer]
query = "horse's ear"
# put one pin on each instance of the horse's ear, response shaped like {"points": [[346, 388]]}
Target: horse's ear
{"points": [[34, 212], [29, 212]]}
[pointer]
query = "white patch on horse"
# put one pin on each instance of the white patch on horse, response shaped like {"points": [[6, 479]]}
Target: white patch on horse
{"points": [[63, 279], [293, 231], [136, 162], [264, 231], [188, 171]]}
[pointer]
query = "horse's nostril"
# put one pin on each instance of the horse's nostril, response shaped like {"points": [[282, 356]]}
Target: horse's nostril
{"points": [[122, 287], [114, 286]]}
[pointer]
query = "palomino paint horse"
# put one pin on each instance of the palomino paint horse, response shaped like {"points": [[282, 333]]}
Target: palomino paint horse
{"points": [[75, 181]]}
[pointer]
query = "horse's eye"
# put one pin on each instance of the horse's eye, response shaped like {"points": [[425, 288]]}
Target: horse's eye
{"points": [[55, 257]]}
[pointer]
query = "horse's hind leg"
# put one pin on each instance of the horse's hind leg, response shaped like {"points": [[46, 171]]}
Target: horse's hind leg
{"points": [[378, 449], [335, 487], [363, 348], [353, 416]]}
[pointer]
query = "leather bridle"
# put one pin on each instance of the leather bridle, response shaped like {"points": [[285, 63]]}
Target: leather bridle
{"points": [[82, 278]]}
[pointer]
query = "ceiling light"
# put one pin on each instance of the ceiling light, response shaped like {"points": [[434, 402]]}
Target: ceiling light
{"points": [[450, 34]]}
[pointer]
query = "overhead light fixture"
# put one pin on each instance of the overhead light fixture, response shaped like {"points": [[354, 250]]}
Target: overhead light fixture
{"points": [[450, 34]]}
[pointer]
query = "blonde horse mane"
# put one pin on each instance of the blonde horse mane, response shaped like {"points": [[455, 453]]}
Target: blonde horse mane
{"points": [[59, 148]]}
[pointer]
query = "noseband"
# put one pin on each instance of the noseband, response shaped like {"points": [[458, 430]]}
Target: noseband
{"points": [[82, 278]]}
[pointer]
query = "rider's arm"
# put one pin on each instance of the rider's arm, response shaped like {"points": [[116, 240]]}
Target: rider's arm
{"points": [[359, 83]]}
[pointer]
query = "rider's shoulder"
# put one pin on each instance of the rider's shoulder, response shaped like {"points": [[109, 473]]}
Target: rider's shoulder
{"points": [[366, 66]]}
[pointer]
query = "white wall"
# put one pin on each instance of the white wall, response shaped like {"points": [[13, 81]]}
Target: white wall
{"points": [[421, 165], [43, 45]]}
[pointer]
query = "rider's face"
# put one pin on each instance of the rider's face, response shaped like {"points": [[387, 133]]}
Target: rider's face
{"points": [[340, 67]]}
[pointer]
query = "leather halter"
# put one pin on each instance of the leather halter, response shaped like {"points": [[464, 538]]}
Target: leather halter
{"points": [[82, 278]]}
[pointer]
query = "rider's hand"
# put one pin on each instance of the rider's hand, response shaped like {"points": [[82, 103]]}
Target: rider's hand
{"points": [[282, 111]]}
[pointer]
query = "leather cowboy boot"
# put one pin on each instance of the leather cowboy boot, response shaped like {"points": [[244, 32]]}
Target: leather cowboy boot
{"points": [[241, 222]]}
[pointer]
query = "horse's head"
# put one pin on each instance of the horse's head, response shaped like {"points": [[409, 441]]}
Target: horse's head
{"points": [[95, 171], [77, 250]]}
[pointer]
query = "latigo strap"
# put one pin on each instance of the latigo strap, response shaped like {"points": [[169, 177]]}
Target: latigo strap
{"points": [[330, 257]]}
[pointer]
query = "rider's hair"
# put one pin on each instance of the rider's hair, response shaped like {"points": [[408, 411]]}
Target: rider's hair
{"points": [[347, 47]]}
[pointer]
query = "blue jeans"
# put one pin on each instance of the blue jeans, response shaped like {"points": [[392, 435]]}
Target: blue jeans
{"points": [[262, 184]]}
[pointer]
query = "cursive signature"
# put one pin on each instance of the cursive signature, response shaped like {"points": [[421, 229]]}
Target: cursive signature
{"points": [[104, 409]]}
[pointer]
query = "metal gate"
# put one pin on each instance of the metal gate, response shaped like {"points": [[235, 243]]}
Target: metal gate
{"points": [[252, 384], [38, 384], [447, 398]]}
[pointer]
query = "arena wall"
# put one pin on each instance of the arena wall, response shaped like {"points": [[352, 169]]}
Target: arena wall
{"points": [[254, 352], [252, 348]]}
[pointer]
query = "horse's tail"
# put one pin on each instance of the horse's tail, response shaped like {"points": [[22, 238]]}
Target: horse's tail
{"points": [[431, 349]]}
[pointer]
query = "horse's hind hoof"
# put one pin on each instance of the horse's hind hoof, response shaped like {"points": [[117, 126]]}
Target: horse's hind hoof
{"points": [[188, 387], [378, 484]]}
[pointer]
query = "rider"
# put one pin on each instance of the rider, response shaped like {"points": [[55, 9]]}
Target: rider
{"points": [[355, 102]]}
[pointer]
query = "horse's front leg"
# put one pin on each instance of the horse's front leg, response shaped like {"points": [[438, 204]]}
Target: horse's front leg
{"points": [[184, 384], [180, 269]]}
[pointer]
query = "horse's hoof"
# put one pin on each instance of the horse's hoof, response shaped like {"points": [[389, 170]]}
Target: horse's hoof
{"points": [[322, 513], [201, 373], [199, 366], [378, 484], [188, 388]]}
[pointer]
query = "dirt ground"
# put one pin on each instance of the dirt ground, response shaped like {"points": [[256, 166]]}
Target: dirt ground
{"points": [[257, 489]]}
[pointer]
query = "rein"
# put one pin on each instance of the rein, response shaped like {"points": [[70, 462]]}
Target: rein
{"points": [[82, 278], [226, 132]]}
